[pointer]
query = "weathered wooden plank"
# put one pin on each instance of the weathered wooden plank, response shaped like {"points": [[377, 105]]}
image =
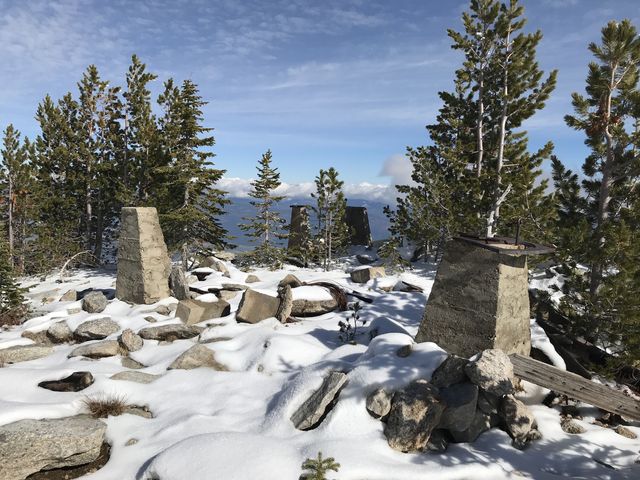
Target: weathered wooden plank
{"points": [[575, 386]]}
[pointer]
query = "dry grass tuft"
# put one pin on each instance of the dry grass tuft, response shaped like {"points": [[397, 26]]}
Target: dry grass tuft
{"points": [[101, 406]]}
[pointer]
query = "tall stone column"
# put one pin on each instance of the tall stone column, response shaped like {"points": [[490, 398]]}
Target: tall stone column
{"points": [[143, 260], [479, 300], [295, 229], [357, 220]]}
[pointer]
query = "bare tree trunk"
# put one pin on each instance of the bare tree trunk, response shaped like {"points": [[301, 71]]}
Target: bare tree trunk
{"points": [[480, 125], [10, 219]]}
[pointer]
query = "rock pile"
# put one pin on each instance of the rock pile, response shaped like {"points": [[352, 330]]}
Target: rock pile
{"points": [[462, 400]]}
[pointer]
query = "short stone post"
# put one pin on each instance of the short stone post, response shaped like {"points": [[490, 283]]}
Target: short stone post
{"points": [[143, 260]]}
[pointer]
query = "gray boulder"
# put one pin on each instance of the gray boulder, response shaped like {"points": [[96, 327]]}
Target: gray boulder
{"points": [[130, 341], [251, 278], [178, 283], [488, 403], [30, 446], [171, 332], [105, 348], [196, 357], [415, 413], [226, 295], [24, 353], [461, 400], [96, 329], [311, 308], [492, 371], [379, 403], [518, 420], [481, 423], [313, 409], [193, 311], [290, 280], [255, 307], [69, 296], [37, 336], [438, 441], [75, 382], [94, 302], [128, 362], [133, 376], [286, 303], [60, 332], [450, 371], [364, 274]]}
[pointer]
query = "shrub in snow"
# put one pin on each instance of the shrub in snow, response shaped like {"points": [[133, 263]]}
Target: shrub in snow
{"points": [[349, 328], [102, 406], [317, 468]]}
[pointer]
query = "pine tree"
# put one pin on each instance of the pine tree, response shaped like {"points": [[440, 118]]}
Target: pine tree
{"points": [[599, 219], [333, 233], [266, 226], [317, 468], [12, 306], [190, 204]]}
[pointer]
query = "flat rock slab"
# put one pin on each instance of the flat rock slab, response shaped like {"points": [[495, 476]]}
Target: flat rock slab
{"points": [[195, 311], [98, 329], [196, 357], [24, 353], [256, 306], [314, 408], [174, 331], [106, 348], [133, 376], [75, 382], [29, 446], [364, 274], [130, 341]]}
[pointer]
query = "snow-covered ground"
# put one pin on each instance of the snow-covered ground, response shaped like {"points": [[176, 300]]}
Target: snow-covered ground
{"points": [[236, 425]]}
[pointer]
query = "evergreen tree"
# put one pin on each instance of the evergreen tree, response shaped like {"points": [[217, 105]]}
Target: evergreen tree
{"points": [[266, 226], [333, 233], [317, 468], [16, 183], [190, 204], [599, 219], [12, 306]]}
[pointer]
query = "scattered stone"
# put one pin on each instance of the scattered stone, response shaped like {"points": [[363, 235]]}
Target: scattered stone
{"points": [[290, 280], [256, 306], [286, 303], [163, 310], [405, 350], [131, 441], [105, 348], [133, 376], [234, 286], [130, 341], [480, 424], [315, 408], [69, 296], [128, 362], [143, 261], [450, 371], [310, 308], [60, 332], [96, 329], [365, 259], [74, 310], [379, 403], [569, 425], [196, 357], [226, 295], [415, 413], [570, 410], [151, 319], [29, 446], [39, 337], [625, 432], [24, 353], [364, 274], [196, 311], [438, 441], [461, 400], [251, 278], [73, 383], [141, 411], [178, 283], [94, 302], [492, 372], [519, 420], [169, 333]]}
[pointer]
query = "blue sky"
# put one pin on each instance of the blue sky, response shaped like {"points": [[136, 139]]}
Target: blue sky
{"points": [[344, 83]]}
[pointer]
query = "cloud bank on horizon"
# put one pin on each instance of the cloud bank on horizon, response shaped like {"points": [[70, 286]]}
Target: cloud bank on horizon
{"points": [[343, 83]]}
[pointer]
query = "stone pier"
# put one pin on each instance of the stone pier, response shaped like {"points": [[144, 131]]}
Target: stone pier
{"points": [[479, 301], [298, 214], [143, 260], [357, 220]]}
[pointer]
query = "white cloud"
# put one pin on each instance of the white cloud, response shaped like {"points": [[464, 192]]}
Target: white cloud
{"points": [[399, 168], [240, 187]]}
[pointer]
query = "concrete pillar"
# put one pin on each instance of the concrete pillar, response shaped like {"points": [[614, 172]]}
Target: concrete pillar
{"points": [[358, 222], [297, 220], [479, 300], [143, 260]]}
